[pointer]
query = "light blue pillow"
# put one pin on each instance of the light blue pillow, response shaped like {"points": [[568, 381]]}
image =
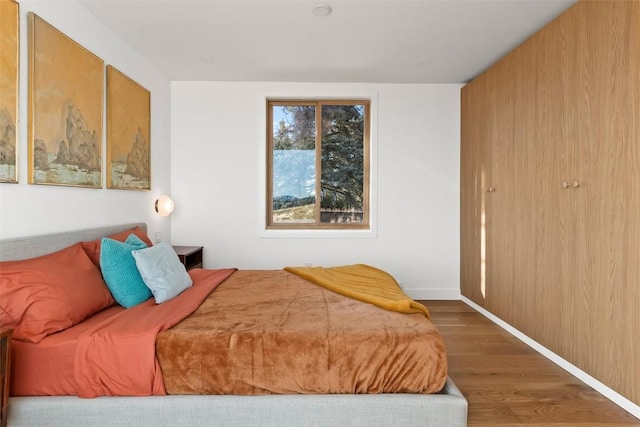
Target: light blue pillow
{"points": [[120, 271], [162, 271]]}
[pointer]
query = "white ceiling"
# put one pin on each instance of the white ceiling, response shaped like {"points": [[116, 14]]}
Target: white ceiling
{"points": [[390, 41]]}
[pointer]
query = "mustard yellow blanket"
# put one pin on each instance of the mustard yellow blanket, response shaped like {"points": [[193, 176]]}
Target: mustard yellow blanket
{"points": [[364, 283]]}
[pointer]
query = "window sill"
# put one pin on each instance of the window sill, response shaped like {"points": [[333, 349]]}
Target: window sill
{"points": [[318, 234]]}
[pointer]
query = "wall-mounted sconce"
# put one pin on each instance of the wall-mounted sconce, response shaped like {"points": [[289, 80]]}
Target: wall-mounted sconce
{"points": [[164, 205]]}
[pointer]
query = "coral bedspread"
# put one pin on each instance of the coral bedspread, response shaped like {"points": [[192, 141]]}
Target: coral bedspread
{"points": [[273, 332]]}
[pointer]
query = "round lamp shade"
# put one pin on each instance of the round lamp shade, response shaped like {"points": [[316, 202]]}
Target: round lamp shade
{"points": [[164, 205]]}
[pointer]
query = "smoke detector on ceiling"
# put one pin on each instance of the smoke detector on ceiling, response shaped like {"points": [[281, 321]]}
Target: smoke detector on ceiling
{"points": [[321, 9]]}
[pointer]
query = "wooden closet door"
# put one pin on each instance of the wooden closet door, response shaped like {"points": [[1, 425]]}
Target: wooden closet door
{"points": [[525, 164], [632, 218], [488, 187], [475, 173], [544, 212], [557, 132], [501, 197], [608, 199]]}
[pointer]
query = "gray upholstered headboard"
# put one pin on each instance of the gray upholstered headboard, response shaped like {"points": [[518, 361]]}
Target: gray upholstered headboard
{"points": [[29, 247]]}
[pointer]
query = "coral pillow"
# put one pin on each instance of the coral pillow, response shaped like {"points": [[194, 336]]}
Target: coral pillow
{"points": [[47, 294], [93, 248], [120, 271]]}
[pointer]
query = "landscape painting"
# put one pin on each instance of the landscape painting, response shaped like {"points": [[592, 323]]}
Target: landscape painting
{"points": [[65, 109], [128, 133], [9, 53]]}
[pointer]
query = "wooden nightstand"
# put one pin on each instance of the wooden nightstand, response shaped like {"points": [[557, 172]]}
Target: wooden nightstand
{"points": [[5, 374], [190, 256]]}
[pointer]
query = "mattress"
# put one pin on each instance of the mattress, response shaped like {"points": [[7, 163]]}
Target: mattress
{"points": [[272, 332]]}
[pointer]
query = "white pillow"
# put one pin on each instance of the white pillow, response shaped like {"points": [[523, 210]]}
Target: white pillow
{"points": [[162, 271]]}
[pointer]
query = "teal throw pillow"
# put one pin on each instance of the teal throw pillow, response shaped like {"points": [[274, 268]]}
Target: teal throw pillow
{"points": [[120, 271], [162, 271]]}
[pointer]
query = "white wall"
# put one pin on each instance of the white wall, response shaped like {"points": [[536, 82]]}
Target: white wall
{"points": [[218, 150], [33, 209]]}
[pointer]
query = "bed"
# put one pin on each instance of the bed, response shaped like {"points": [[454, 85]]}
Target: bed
{"points": [[257, 402]]}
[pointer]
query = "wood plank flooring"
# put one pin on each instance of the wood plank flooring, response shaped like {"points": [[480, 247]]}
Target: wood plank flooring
{"points": [[507, 383]]}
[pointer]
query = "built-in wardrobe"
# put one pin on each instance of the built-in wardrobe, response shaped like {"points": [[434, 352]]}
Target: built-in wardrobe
{"points": [[550, 190]]}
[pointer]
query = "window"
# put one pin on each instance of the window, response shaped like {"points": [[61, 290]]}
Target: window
{"points": [[318, 164]]}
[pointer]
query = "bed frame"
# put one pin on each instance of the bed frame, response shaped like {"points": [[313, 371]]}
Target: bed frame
{"points": [[447, 408]]}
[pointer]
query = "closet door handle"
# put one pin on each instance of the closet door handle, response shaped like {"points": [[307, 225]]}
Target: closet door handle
{"points": [[576, 183], [565, 184]]}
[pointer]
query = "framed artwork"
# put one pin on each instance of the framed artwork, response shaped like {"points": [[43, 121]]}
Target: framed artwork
{"points": [[128, 132], [9, 70], [66, 84]]}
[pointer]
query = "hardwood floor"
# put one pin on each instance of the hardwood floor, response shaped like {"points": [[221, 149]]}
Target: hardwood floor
{"points": [[507, 383]]}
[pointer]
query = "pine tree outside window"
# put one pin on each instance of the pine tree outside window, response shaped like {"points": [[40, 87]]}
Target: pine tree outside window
{"points": [[318, 164]]}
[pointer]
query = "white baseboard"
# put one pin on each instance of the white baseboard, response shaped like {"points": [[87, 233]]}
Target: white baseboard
{"points": [[439, 293], [601, 388]]}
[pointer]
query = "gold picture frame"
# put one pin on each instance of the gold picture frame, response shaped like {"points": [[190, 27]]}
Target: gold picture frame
{"points": [[9, 77], [128, 133], [66, 86]]}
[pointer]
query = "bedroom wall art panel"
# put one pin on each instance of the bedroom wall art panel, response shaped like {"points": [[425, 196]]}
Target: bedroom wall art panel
{"points": [[128, 133], [66, 86], [9, 78]]}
